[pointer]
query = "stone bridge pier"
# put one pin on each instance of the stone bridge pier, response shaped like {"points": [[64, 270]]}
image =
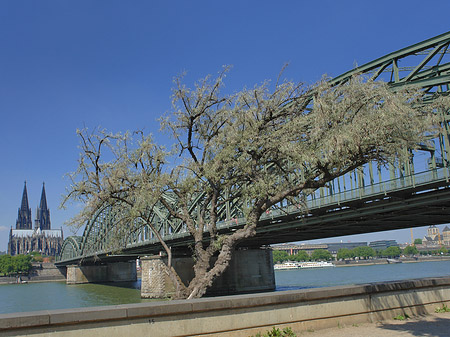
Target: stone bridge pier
{"points": [[109, 272], [250, 271]]}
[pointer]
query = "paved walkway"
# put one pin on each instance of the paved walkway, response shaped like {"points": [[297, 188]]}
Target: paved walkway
{"points": [[435, 325]]}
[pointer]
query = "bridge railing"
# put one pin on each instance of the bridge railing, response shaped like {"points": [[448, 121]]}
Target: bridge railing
{"points": [[419, 180]]}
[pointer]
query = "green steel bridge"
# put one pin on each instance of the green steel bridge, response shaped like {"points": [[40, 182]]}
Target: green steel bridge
{"points": [[370, 199]]}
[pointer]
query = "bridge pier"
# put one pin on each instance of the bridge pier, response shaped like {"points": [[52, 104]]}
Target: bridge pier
{"points": [[110, 272], [250, 271]]}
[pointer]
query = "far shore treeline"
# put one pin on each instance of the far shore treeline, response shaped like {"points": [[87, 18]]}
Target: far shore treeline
{"points": [[357, 252], [18, 264]]}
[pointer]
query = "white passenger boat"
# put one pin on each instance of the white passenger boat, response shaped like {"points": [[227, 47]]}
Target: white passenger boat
{"points": [[302, 265], [286, 265], [321, 264]]}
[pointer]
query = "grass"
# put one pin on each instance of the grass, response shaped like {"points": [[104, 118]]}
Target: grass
{"points": [[443, 309], [401, 317], [275, 332]]}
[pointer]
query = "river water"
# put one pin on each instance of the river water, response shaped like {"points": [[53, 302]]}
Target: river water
{"points": [[58, 295]]}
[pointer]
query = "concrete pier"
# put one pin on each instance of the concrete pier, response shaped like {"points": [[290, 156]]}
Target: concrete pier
{"points": [[249, 271], [111, 272]]}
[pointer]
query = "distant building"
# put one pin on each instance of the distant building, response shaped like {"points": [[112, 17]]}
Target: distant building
{"points": [[383, 244], [24, 239], [433, 237], [446, 236], [333, 248]]}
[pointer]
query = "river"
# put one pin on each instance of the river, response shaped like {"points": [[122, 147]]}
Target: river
{"points": [[58, 295]]}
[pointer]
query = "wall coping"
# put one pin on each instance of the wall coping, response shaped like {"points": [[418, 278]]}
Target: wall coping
{"points": [[47, 318]]}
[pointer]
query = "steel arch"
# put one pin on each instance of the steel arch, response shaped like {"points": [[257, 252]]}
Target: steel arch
{"points": [[71, 248], [426, 65]]}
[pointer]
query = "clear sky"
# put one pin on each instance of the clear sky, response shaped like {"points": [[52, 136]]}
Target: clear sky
{"points": [[69, 64]]}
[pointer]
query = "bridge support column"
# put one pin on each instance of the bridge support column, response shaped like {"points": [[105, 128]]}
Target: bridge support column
{"points": [[249, 271], [111, 272]]}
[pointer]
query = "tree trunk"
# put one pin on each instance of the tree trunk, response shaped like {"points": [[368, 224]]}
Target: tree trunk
{"points": [[204, 279]]}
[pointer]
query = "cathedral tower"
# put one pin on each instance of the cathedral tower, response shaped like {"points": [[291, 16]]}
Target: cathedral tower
{"points": [[24, 239], [24, 215], [42, 213]]}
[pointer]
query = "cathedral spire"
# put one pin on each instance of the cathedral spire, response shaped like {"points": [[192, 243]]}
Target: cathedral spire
{"points": [[24, 214], [43, 203], [42, 212]]}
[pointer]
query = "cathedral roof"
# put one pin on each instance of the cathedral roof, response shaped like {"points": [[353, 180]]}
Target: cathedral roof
{"points": [[23, 233], [446, 229]]}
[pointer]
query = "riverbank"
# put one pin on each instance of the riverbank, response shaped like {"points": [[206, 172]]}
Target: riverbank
{"points": [[41, 272], [349, 263]]}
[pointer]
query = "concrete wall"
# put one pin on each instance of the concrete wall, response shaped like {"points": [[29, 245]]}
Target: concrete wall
{"points": [[41, 272], [249, 271], [111, 272], [239, 315]]}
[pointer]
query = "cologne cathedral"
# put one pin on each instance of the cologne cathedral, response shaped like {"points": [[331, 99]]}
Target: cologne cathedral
{"points": [[26, 239]]}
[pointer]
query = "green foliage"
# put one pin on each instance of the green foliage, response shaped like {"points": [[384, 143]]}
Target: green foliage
{"points": [[392, 252], [363, 252], [417, 241], [275, 332], [443, 309], [36, 257], [410, 250], [321, 255], [345, 253], [15, 264], [22, 263], [300, 256], [6, 265], [401, 317], [279, 256], [442, 250]]}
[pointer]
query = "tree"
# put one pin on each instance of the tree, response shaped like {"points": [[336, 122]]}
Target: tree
{"points": [[321, 255], [345, 253], [254, 149], [279, 256], [22, 263], [15, 264], [363, 252], [392, 251], [6, 264], [442, 250], [417, 241], [410, 250], [301, 256], [36, 257]]}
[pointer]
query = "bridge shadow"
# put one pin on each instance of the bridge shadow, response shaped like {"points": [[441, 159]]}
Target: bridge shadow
{"points": [[436, 327], [125, 284], [395, 299]]}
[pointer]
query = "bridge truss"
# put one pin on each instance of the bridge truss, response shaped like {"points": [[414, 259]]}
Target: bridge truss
{"points": [[419, 185]]}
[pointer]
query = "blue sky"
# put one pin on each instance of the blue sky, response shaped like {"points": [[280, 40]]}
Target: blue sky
{"points": [[69, 64]]}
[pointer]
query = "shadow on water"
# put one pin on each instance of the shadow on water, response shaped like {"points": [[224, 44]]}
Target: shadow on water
{"points": [[126, 284], [285, 288]]}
